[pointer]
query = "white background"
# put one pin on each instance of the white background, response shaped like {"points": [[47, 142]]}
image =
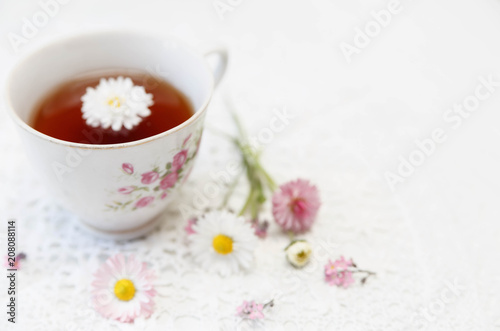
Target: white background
{"points": [[395, 91]]}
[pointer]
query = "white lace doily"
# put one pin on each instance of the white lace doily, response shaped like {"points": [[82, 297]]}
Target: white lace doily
{"points": [[359, 218]]}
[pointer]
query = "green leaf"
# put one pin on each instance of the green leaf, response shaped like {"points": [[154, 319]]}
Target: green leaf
{"points": [[169, 165]]}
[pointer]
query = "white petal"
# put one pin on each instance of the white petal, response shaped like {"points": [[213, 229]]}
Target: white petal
{"points": [[134, 103]]}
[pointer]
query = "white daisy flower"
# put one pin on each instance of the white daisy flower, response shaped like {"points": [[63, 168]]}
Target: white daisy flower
{"points": [[123, 289], [115, 103], [222, 243], [298, 253]]}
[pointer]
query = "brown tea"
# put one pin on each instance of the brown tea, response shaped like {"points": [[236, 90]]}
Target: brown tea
{"points": [[59, 114]]}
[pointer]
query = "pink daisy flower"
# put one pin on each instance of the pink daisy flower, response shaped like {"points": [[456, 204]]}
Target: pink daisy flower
{"points": [[122, 289], [295, 205]]}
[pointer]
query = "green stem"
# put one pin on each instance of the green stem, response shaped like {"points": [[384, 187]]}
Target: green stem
{"points": [[270, 182], [258, 199], [369, 273], [247, 203], [230, 192], [252, 181], [241, 130], [258, 178]]}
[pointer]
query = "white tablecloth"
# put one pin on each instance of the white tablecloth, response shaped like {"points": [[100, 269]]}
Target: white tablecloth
{"points": [[432, 238]]}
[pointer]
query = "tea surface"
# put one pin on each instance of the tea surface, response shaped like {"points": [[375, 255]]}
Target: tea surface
{"points": [[59, 114]]}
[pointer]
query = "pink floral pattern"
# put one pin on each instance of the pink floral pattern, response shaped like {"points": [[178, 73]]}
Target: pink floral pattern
{"points": [[169, 181], [179, 160], [147, 186], [144, 202], [128, 168], [149, 177], [186, 140], [126, 189]]}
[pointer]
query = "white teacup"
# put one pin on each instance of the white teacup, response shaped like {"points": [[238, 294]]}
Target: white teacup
{"points": [[116, 190]]}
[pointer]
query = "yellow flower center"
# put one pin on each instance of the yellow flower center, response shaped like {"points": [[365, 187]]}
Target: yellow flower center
{"points": [[301, 256], [114, 102], [223, 244], [124, 289]]}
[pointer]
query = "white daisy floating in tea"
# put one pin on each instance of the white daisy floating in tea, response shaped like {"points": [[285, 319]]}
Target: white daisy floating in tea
{"points": [[116, 103], [222, 243]]}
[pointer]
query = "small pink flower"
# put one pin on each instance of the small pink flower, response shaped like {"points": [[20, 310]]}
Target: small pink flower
{"points": [[169, 181], [295, 205], [126, 189], [143, 202], [123, 289], [149, 177], [260, 228], [189, 227], [250, 310], [128, 168], [186, 140], [340, 264], [16, 264], [340, 279], [337, 273], [179, 160], [163, 195]]}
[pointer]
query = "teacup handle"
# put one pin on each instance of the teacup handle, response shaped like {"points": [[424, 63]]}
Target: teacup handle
{"points": [[217, 60]]}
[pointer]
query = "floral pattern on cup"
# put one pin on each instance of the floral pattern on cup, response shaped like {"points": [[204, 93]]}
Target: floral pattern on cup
{"points": [[128, 168], [145, 188], [149, 177]]}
